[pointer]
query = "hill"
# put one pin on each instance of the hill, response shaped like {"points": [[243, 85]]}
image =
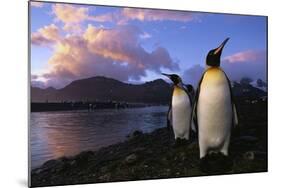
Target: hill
{"points": [[105, 89]]}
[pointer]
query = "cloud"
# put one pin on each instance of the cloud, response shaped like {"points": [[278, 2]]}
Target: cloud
{"points": [[115, 53], [72, 16], [250, 63], [34, 77], [107, 17], [69, 13], [183, 27], [36, 4], [193, 74], [45, 36], [40, 84], [246, 56], [124, 15], [156, 15], [145, 35]]}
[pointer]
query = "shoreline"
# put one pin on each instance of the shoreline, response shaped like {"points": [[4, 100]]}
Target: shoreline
{"points": [[145, 156], [90, 106], [153, 155]]}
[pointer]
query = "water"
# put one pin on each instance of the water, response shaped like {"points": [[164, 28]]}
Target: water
{"points": [[67, 133]]}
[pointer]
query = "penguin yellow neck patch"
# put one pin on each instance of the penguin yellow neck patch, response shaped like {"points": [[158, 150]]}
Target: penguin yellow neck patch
{"points": [[214, 74], [178, 91]]}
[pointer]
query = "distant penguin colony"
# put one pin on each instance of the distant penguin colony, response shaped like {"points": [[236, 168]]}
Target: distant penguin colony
{"points": [[213, 108], [179, 115]]}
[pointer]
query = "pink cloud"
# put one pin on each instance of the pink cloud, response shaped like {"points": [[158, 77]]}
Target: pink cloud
{"points": [[156, 15], [69, 13], [47, 35], [250, 63], [126, 14], [115, 53], [72, 16], [246, 56]]}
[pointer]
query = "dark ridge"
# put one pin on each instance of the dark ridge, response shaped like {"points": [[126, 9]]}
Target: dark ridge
{"points": [[106, 89]]}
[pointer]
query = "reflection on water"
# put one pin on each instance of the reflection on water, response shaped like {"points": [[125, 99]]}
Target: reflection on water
{"points": [[66, 133]]}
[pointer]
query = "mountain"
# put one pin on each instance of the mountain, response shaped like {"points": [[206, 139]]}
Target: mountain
{"points": [[247, 90], [105, 89], [259, 83]]}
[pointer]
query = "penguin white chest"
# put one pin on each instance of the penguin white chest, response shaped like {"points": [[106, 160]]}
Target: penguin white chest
{"points": [[181, 113], [214, 112]]}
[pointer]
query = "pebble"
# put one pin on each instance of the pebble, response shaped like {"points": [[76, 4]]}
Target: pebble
{"points": [[131, 159]]}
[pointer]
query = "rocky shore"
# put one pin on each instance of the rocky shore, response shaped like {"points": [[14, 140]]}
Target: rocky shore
{"points": [[155, 155]]}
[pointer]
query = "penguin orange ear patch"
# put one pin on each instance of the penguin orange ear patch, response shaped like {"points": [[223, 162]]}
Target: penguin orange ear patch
{"points": [[123, 94]]}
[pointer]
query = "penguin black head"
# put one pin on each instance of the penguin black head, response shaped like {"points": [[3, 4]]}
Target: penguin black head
{"points": [[175, 78], [214, 56]]}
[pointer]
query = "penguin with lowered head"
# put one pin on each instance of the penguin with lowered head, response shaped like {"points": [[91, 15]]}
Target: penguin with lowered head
{"points": [[179, 113]]}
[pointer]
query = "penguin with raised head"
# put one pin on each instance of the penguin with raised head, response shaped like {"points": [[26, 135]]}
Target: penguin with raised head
{"points": [[179, 113], [214, 110]]}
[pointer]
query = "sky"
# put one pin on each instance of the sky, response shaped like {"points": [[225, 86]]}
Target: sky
{"points": [[133, 45]]}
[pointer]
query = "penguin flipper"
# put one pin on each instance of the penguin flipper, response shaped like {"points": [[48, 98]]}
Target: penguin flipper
{"points": [[235, 116], [193, 127], [195, 101], [190, 92], [193, 118], [234, 110], [169, 118]]}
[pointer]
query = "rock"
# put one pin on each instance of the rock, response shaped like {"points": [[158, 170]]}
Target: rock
{"points": [[37, 171], [51, 164], [105, 177], [252, 155], [131, 159], [249, 155], [103, 169], [73, 162], [247, 139], [193, 146], [181, 142], [165, 161], [138, 149], [182, 156], [137, 133]]}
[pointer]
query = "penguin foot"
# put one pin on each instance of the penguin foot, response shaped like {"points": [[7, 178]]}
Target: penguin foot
{"points": [[216, 163], [181, 142]]}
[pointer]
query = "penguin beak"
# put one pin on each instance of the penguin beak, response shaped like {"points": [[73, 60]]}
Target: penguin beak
{"points": [[220, 48], [168, 75]]}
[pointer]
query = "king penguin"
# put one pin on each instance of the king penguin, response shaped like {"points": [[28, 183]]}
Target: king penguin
{"points": [[214, 110], [179, 114]]}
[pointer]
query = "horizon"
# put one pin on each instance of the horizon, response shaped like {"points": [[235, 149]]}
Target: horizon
{"points": [[133, 83], [134, 45], [136, 83]]}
